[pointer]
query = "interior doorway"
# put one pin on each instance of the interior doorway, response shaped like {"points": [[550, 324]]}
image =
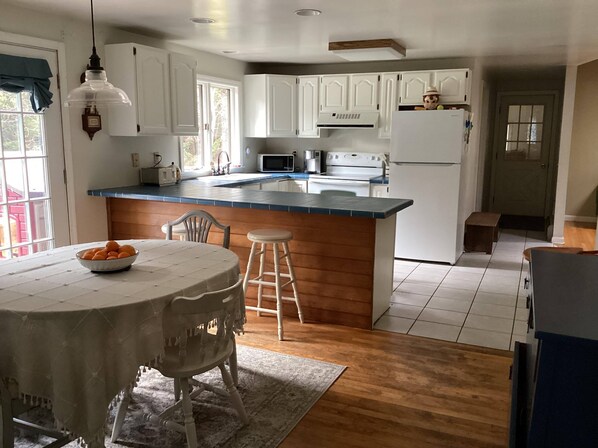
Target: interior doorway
{"points": [[33, 199], [523, 150]]}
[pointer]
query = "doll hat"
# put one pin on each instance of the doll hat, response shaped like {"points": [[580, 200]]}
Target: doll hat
{"points": [[431, 91]]}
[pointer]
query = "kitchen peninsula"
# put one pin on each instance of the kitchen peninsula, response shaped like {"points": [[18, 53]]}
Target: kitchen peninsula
{"points": [[342, 248]]}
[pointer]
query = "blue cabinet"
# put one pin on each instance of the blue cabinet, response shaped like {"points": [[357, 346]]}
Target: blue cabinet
{"points": [[555, 373]]}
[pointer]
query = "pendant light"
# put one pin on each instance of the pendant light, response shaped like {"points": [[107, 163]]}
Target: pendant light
{"points": [[96, 90]]}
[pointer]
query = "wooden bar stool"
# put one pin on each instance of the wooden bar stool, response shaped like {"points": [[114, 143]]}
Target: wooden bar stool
{"points": [[273, 237]]}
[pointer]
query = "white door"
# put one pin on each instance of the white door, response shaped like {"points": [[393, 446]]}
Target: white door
{"points": [[452, 86], [413, 86], [431, 136], [183, 85], [333, 93], [428, 230], [281, 106], [389, 83], [153, 90], [308, 106], [363, 94], [33, 199]]}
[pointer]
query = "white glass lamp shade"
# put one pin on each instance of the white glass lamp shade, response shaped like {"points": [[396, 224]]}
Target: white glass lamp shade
{"points": [[96, 91]]}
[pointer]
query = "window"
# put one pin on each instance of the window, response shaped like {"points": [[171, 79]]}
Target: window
{"points": [[218, 111]]}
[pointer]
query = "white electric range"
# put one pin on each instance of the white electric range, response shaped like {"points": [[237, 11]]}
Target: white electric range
{"points": [[348, 172]]}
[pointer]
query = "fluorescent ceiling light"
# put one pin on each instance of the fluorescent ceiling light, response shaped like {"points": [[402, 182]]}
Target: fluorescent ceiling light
{"points": [[368, 50], [308, 12], [202, 20]]}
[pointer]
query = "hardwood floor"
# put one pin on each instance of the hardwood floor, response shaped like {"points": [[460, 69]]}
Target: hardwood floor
{"points": [[580, 234], [398, 391]]}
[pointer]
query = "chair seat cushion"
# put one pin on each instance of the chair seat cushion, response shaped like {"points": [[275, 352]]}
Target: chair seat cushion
{"points": [[212, 352]]}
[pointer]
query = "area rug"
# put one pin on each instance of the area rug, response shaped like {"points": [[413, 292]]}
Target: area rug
{"points": [[277, 391]]}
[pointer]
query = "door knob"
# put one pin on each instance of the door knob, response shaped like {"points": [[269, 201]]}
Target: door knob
{"points": [[542, 165]]}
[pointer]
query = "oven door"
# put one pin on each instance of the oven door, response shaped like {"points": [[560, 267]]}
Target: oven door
{"points": [[342, 187]]}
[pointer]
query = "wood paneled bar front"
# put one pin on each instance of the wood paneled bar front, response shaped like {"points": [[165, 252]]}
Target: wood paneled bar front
{"points": [[343, 263]]}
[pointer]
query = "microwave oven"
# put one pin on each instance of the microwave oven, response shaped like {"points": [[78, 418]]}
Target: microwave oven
{"points": [[276, 163]]}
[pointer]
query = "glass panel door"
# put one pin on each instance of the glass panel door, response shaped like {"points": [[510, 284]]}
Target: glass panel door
{"points": [[33, 210]]}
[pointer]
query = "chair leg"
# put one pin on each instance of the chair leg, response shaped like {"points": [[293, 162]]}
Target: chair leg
{"points": [[121, 411], [287, 256], [188, 413], [235, 398], [278, 291], [232, 362], [261, 277], [249, 266]]}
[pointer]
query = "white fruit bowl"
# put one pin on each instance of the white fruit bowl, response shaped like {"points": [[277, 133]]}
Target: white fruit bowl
{"points": [[118, 264]]}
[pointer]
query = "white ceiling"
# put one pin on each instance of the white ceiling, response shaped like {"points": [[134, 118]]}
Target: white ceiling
{"points": [[541, 31]]}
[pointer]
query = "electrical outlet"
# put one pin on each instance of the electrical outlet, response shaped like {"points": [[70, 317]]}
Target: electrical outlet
{"points": [[157, 158], [135, 159]]}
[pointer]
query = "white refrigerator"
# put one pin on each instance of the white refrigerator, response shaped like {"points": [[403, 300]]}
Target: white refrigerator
{"points": [[426, 149]]}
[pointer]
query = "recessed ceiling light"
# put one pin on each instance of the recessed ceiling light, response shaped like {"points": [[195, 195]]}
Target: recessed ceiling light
{"points": [[308, 12], [202, 20]]}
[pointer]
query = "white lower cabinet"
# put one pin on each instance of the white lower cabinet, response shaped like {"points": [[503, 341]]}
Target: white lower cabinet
{"points": [[378, 191], [251, 187], [293, 186], [270, 186]]}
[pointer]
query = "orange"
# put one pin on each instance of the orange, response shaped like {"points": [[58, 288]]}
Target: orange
{"points": [[112, 254], [99, 256], [96, 249], [123, 255], [88, 255], [127, 248], [111, 257], [102, 252], [112, 246]]}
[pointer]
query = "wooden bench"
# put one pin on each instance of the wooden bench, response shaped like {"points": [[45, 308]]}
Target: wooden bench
{"points": [[481, 230]]}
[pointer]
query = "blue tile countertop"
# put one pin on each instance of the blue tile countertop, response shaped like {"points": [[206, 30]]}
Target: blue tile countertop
{"points": [[209, 191]]}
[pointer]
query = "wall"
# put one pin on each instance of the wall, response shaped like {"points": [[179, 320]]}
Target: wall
{"points": [[583, 164], [105, 161]]}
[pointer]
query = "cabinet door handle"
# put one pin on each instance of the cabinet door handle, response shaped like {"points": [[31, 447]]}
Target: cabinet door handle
{"points": [[511, 372], [525, 283], [530, 320]]}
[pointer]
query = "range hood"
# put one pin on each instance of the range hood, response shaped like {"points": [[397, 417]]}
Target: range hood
{"points": [[347, 120]]}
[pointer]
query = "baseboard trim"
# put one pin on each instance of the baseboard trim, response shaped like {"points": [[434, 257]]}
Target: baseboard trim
{"points": [[580, 218]]}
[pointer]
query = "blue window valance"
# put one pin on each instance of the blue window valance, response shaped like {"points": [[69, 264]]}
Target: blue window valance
{"points": [[19, 74]]}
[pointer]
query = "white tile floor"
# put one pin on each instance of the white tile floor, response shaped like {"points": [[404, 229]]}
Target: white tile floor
{"points": [[478, 301]]}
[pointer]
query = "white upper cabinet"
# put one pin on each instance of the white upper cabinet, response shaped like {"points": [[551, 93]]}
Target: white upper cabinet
{"points": [[347, 93], [144, 73], [389, 101], [334, 93], [270, 105], [453, 86], [183, 80], [413, 86], [308, 106], [363, 93]]}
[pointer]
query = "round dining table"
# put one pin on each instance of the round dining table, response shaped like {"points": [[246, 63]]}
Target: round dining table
{"points": [[72, 339]]}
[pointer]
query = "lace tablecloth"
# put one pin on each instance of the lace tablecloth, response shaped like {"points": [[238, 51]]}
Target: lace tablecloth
{"points": [[73, 339]]}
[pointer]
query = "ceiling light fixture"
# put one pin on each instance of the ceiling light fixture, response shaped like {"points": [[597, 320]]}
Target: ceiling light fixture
{"points": [[368, 50], [96, 90], [308, 12], [202, 20]]}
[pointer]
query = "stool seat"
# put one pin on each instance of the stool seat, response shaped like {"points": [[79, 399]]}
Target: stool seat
{"points": [[269, 235]]}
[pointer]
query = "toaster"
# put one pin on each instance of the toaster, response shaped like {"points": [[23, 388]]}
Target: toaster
{"points": [[159, 175]]}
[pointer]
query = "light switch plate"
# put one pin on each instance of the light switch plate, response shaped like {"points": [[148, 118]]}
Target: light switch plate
{"points": [[135, 159]]}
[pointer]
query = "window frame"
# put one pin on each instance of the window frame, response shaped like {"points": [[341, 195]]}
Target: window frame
{"points": [[204, 83]]}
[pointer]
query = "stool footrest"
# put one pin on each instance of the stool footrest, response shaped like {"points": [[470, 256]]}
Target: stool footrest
{"points": [[263, 310], [271, 296]]}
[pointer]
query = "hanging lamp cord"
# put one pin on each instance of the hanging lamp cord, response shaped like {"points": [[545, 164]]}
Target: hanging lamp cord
{"points": [[94, 59]]}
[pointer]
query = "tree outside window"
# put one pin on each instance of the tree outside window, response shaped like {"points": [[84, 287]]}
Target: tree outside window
{"points": [[218, 112]]}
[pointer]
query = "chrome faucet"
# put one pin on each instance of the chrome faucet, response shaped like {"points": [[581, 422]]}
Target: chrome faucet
{"points": [[225, 169]]}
